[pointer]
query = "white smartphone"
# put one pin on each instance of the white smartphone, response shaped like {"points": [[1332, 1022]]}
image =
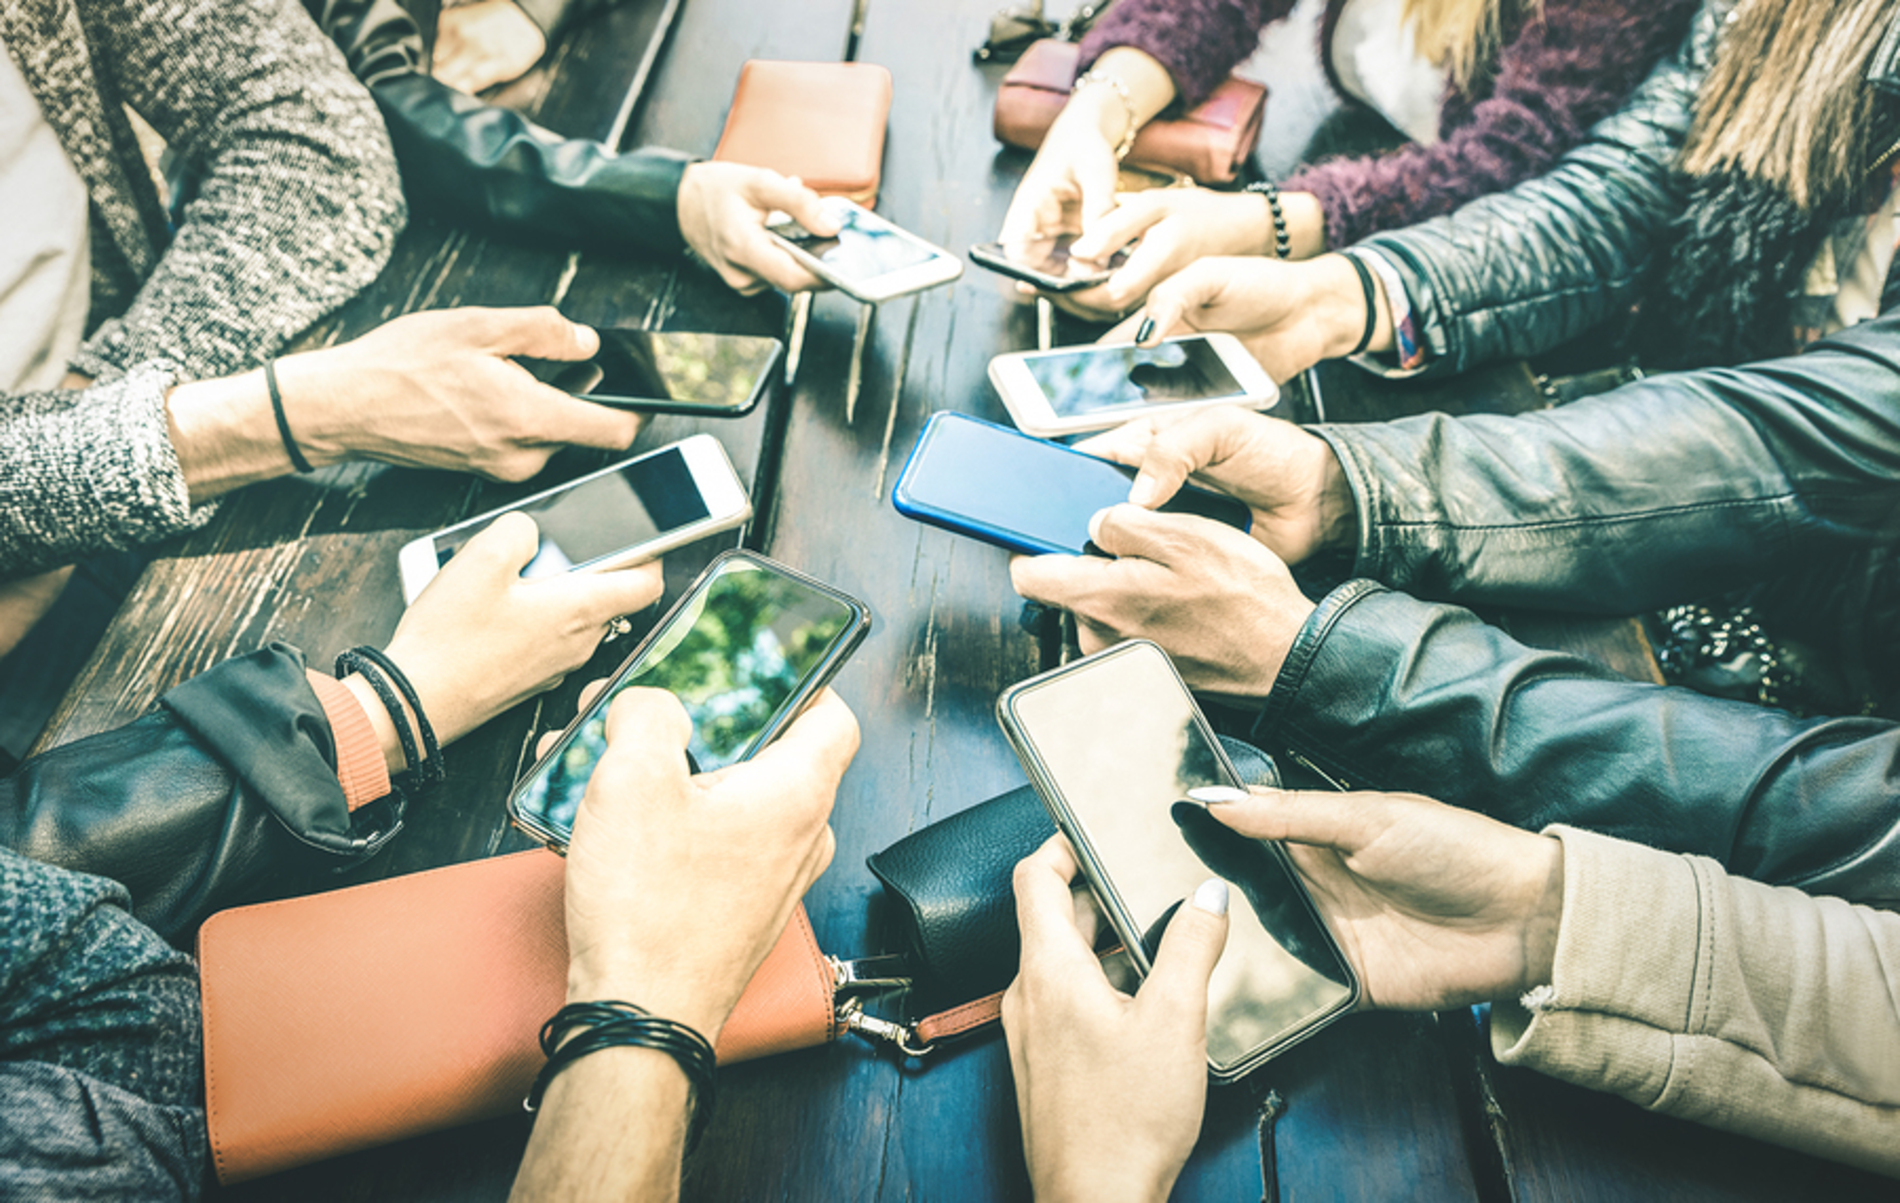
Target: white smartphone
{"points": [[625, 514], [870, 258], [1071, 390]]}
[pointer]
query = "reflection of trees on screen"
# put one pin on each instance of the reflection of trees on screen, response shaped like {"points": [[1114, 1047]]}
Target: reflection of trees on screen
{"points": [[707, 368]]}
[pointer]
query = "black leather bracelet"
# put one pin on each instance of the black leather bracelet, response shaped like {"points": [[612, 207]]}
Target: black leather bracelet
{"points": [[297, 460], [375, 666], [1372, 303], [598, 1025], [1282, 241]]}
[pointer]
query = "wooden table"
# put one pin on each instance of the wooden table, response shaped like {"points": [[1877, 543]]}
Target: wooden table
{"points": [[1378, 1107]]}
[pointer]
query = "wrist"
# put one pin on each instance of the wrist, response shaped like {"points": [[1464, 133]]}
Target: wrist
{"points": [[1338, 303], [1543, 911], [1338, 510], [379, 721], [700, 1006], [224, 435]]}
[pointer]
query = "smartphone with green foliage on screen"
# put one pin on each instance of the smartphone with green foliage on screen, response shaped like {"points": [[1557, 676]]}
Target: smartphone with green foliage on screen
{"points": [[744, 651]]}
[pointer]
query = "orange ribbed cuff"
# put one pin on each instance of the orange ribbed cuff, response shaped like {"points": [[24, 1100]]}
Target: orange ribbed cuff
{"points": [[360, 767]]}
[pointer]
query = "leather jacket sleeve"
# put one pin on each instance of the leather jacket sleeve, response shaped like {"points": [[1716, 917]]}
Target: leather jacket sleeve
{"points": [[1383, 691], [1522, 271], [227, 791], [1668, 489], [491, 169]]}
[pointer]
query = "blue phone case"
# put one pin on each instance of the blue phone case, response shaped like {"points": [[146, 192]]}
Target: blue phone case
{"points": [[935, 513]]}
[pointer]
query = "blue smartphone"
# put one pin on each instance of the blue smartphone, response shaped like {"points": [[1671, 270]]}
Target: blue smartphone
{"points": [[1025, 494]]}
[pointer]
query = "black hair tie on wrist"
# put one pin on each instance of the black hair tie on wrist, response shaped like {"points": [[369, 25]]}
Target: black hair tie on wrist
{"points": [[379, 670], [599, 1025], [297, 460], [1372, 303], [1282, 240]]}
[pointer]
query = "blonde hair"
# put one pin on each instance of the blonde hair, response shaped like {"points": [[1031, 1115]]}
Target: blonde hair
{"points": [[1786, 101], [1461, 36]]}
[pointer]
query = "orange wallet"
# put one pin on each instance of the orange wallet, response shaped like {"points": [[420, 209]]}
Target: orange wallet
{"points": [[342, 1021], [822, 122]]}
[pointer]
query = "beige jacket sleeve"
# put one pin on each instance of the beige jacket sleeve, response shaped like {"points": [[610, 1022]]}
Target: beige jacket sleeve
{"points": [[1754, 1008]]}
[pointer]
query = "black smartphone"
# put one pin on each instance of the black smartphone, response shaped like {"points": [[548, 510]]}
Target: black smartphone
{"points": [[1026, 494], [1113, 743], [1046, 263], [668, 372], [744, 650]]}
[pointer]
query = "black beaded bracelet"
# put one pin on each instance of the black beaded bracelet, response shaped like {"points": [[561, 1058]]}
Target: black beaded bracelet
{"points": [[598, 1025], [425, 761], [1282, 241], [1372, 303], [297, 460]]}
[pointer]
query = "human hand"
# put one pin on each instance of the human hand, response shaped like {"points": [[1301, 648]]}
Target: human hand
{"points": [[1289, 315], [1223, 607], [722, 212], [679, 885], [484, 43], [1109, 1089], [1071, 182], [1435, 906], [481, 638], [1170, 229], [1289, 479], [439, 390]]}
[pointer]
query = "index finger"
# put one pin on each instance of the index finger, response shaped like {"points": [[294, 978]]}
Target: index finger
{"points": [[586, 423], [1058, 580]]}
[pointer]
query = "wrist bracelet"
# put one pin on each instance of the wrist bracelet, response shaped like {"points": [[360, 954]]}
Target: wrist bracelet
{"points": [[1372, 303], [599, 1025], [379, 670], [297, 460], [1128, 106], [1282, 240]]}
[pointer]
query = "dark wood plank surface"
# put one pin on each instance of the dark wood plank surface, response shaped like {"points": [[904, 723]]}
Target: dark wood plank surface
{"points": [[1378, 1107]]}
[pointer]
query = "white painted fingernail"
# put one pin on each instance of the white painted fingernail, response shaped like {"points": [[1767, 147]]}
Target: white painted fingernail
{"points": [[1211, 896], [1214, 795]]}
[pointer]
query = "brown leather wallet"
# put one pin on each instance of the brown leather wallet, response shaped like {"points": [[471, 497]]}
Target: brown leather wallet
{"points": [[346, 1020], [822, 122], [1209, 143]]}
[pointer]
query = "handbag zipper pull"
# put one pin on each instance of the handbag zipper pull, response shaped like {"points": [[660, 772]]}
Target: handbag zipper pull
{"points": [[855, 1018]]}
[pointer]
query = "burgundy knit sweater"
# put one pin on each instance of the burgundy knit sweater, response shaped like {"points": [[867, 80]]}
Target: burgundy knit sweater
{"points": [[1557, 74]]}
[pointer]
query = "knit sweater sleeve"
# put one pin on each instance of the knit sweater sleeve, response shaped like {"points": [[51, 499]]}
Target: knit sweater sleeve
{"points": [[1198, 41], [83, 471], [1561, 74], [299, 203]]}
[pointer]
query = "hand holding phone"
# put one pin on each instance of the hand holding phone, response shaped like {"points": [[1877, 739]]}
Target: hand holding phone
{"points": [[1071, 390], [1115, 745], [625, 514], [1046, 262], [869, 258], [1001, 486], [744, 651]]}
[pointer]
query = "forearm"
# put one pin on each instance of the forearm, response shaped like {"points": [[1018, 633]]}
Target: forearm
{"points": [[1670, 488], [573, 1155], [298, 204], [1716, 999], [1383, 691], [1195, 43]]}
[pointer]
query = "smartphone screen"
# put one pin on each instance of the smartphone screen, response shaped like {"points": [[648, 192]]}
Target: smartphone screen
{"points": [[743, 652], [1088, 380], [864, 249], [635, 503], [1119, 740], [668, 369], [1025, 493]]}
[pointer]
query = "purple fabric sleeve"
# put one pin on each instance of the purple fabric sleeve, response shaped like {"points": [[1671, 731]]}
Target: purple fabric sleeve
{"points": [[1198, 41], [1558, 76]]}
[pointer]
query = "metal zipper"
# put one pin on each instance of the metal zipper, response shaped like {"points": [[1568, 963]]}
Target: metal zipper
{"points": [[1338, 783]]}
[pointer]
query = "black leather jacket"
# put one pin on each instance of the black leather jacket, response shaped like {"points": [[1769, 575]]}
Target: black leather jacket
{"points": [[226, 792], [491, 169], [1531, 268], [1668, 489]]}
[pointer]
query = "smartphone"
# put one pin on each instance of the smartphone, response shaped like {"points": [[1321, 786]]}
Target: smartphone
{"points": [[870, 258], [1074, 389], [1113, 743], [1001, 486], [1046, 263], [625, 514], [669, 372], [744, 650]]}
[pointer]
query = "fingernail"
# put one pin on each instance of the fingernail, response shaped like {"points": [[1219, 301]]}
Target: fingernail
{"points": [[1215, 795], [1095, 525], [1143, 331], [1142, 492], [1211, 896]]}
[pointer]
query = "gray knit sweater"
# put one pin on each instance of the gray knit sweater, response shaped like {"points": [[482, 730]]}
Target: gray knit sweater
{"points": [[298, 208]]}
